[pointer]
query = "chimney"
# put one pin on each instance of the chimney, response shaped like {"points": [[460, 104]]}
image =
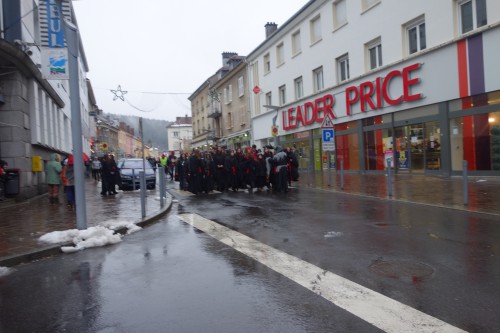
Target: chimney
{"points": [[226, 56], [271, 27]]}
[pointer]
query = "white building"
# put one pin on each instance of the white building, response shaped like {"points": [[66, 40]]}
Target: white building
{"points": [[180, 135], [416, 81]]}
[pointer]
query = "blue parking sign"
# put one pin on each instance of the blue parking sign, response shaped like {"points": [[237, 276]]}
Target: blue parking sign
{"points": [[328, 135]]}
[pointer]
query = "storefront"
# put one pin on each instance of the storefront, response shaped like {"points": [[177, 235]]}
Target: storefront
{"points": [[425, 116]]}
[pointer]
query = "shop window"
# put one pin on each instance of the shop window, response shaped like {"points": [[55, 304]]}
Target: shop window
{"points": [[476, 139], [378, 147], [346, 126], [347, 149]]}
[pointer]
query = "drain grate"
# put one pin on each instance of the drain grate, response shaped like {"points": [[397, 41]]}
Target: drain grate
{"points": [[409, 271]]}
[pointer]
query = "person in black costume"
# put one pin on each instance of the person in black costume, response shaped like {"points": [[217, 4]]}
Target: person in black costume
{"points": [[195, 172]]}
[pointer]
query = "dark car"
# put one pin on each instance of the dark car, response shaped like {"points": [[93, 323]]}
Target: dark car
{"points": [[129, 173]]}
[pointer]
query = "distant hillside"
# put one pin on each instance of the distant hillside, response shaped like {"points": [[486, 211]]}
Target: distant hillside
{"points": [[155, 132]]}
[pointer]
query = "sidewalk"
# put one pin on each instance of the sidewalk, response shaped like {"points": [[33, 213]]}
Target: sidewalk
{"points": [[483, 192], [21, 224]]}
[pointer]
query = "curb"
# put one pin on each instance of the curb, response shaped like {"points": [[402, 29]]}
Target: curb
{"points": [[52, 250]]}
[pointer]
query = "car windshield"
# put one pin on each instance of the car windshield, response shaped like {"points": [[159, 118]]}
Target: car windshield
{"points": [[134, 164]]}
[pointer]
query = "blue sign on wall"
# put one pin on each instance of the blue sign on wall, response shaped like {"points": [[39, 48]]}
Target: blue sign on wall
{"points": [[55, 24]]}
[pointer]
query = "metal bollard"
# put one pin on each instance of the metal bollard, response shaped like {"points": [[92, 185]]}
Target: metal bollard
{"points": [[342, 174], [133, 179], [161, 174], [329, 171], [389, 176], [466, 189], [142, 178]]}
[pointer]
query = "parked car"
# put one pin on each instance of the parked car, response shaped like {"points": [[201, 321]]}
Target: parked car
{"points": [[129, 172]]}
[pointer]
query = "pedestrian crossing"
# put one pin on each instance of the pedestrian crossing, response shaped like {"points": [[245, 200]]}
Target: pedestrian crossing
{"points": [[379, 310]]}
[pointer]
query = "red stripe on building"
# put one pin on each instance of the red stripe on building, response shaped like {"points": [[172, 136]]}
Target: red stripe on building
{"points": [[468, 122]]}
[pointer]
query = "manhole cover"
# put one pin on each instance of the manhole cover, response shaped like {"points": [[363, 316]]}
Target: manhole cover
{"points": [[409, 271]]}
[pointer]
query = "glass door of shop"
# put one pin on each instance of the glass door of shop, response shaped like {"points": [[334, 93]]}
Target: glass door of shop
{"points": [[402, 157], [418, 148]]}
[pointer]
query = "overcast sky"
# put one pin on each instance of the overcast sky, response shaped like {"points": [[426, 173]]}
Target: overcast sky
{"points": [[167, 47]]}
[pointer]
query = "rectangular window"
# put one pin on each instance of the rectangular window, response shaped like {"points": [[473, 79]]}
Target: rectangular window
{"points": [[241, 87], [269, 99], [230, 93], [472, 14], [416, 37], [318, 79], [229, 121], [299, 88], [374, 54], [280, 54], [282, 92], [296, 47], [339, 13], [243, 116], [343, 68], [267, 63], [226, 97], [315, 26]]}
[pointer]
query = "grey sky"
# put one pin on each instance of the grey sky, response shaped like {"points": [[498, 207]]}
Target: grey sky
{"points": [[166, 46]]}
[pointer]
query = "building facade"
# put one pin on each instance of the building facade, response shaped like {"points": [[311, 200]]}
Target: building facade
{"points": [[414, 85], [179, 135], [35, 114]]}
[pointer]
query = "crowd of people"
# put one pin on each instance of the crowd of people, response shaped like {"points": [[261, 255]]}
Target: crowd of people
{"points": [[250, 169], [198, 172]]}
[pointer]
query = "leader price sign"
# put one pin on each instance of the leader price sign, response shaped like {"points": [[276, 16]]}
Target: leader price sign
{"points": [[328, 139]]}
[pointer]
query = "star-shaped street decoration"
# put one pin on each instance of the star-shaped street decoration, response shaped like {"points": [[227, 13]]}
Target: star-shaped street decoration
{"points": [[119, 93]]}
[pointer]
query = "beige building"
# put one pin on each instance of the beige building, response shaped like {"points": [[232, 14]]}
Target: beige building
{"points": [[217, 116], [231, 114]]}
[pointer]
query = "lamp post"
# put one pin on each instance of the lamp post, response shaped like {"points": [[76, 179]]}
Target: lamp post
{"points": [[275, 108]]}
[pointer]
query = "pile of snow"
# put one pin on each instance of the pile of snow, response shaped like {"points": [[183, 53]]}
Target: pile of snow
{"points": [[332, 234], [5, 271], [91, 237], [117, 224]]}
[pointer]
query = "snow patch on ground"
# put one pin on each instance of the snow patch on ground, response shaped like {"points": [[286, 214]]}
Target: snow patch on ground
{"points": [[333, 234], [92, 237], [5, 271]]}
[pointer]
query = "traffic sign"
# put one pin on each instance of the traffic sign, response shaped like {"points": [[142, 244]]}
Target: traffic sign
{"points": [[328, 135], [327, 122], [274, 130]]}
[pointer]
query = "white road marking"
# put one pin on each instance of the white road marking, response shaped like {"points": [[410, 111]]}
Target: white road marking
{"points": [[371, 306]]}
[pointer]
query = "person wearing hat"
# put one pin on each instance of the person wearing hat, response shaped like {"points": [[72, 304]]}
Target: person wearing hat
{"points": [[68, 180]]}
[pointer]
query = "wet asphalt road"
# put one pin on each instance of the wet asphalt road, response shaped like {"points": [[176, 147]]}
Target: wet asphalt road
{"points": [[172, 278]]}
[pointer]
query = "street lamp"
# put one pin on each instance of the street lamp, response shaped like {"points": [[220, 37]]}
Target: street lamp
{"points": [[275, 108]]}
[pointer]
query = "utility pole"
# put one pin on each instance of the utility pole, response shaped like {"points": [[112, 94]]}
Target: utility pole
{"points": [[72, 41]]}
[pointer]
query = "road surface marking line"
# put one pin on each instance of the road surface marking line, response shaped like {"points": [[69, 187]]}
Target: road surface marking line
{"points": [[371, 306]]}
